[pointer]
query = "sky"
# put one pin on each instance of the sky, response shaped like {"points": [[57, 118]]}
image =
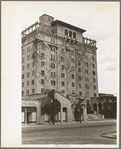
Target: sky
{"points": [[99, 19], [101, 22]]}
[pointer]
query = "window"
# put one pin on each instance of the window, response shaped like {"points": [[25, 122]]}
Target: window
{"points": [[72, 76], [63, 91], [71, 52], [22, 67], [79, 55], [94, 87], [62, 51], [62, 75], [28, 57], [22, 76], [42, 44], [79, 85], [33, 64], [86, 64], [62, 58], [74, 35], [93, 65], [52, 65], [53, 74], [86, 79], [79, 62], [79, 69], [27, 92], [28, 40], [32, 90], [80, 93], [87, 93], [73, 92], [93, 52], [73, 84], [47, 29], [42, 90], [93, 72], [32, 82], [62, 67], [28, 66], [28, 74], [66, 33], [42, 72], [86, 71], [52, 57], [52, 48], [62, 83], [95, 95], [22, 93], [52, 82], [42, 63], [93, 79], [27, 83], [22, 59], [72, 68], [28, 49], [22, 84], [79, 78], [42, 81], [42, 55], [87, 86], [86, 57], [72, 60], [33, 73], [53, 40], [52, 30], [70, 34], [93, 58]]}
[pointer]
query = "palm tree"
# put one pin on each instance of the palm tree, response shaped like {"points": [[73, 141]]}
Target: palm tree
{"points": [[51, 108], [78, 111]]}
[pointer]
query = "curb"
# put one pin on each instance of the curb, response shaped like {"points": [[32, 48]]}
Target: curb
{"points": [[110, 135], [68, 124]]}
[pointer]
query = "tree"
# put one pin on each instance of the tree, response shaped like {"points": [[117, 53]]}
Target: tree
{"points": [[51, 107], [78, 111]]}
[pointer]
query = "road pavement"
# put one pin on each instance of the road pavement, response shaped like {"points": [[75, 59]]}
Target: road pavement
{"points": [[69, 133]]}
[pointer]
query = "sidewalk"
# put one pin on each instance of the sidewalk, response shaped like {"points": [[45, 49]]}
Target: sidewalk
{"points": [[65, 124]]}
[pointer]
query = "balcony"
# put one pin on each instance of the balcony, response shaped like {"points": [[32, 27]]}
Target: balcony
{"points": [[89, 41], [40, 27], [30, 29]]}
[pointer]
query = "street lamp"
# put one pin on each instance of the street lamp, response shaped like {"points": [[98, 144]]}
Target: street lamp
{"points": [[83, 106]]}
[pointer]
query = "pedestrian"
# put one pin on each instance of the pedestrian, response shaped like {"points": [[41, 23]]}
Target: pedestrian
{"points": [[50, 120]]}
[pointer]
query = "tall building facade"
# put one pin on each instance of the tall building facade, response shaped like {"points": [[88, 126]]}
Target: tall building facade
{"points": [[56, 55]]}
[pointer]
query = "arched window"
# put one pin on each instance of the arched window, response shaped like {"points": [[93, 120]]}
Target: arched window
{"points": [[70, 34], [94, 107], [66, 33], [100, 106], [74, 35]]}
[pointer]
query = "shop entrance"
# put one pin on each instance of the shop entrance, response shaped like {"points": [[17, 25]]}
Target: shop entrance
{"points": [[29, 115]]}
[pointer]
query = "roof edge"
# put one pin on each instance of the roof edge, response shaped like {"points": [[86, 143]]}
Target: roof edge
{"points": [[67, 24]]}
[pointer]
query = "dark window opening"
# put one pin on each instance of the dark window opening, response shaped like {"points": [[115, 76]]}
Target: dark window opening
{"points": [[70, 34], [66, 33], [74, 35]]}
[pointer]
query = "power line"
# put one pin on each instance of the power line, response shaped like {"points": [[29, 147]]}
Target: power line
{"points": [[77, 22]]}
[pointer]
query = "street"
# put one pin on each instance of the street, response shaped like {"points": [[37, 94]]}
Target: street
{"points": [[75, 133]]}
